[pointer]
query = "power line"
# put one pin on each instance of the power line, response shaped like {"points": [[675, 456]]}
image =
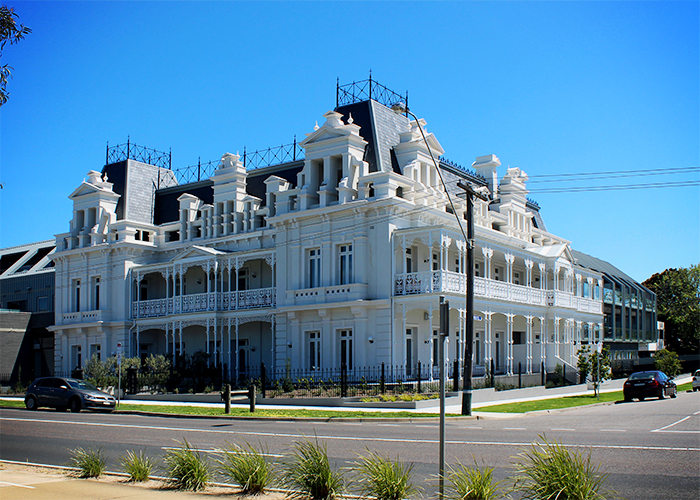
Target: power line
{"points": [[615, 172], [620, 187], [622, 174]]}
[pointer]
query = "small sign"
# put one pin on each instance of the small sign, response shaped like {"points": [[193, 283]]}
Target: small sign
{"points": [[477, 318]]}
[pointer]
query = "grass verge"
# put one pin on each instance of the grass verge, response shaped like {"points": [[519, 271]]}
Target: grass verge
{"points": [[558, 403]]}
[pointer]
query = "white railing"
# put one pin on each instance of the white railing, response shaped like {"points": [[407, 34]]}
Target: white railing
{"points": [[214, 301], [450, 282]]}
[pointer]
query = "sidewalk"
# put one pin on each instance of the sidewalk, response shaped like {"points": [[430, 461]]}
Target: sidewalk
{"points": [[25, 482]]}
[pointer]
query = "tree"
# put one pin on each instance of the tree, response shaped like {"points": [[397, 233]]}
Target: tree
{"points": [[678, 306], [588, 363], [10, 31], [668, 362]]}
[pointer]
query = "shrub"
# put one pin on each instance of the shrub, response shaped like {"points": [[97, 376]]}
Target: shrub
{"points": [[248, 468], [472, 483], [549, 471], [90, 463], [137, 465], [668, 362], [186, 469], [384, 478], [309, 473]]}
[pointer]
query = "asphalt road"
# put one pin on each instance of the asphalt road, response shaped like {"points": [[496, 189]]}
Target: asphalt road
{"points": [[651, 449]]}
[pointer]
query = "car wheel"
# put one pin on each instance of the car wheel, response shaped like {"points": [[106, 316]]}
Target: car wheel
{"points": [[661, 394], [674, 393], [74, 405], [30, 403], [642, 398]]}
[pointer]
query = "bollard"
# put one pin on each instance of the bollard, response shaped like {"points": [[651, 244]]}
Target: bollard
{"points": [[227, 398], [520, 375], [251, 397], [382, 381]]}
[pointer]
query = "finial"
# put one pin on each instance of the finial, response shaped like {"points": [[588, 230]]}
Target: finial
{"points": [[316, 127], [350, 120]]}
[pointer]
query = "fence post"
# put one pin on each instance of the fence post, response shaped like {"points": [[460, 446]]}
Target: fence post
{"points": [[563, 375], [419, 368], [455, 376], [227, 398], [262, 379], [493, 368], [543, 376], [520, 375], [343, 380], [251, 397], [382, 381]]}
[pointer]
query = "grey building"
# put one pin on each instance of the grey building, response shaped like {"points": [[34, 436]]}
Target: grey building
{"points": [[27, 288]]}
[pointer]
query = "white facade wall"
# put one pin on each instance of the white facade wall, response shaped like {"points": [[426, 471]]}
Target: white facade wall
{"points": [[248, 282]]}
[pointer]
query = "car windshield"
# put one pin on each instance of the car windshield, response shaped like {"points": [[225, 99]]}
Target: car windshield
{"points": [[81, 384], [641, 376]]}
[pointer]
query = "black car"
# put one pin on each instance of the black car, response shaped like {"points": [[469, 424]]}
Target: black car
{"points": [[64, 393], [649, 384]]}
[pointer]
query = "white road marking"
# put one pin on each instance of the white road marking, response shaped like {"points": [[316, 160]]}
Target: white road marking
{"points": [[663, 429], [355, 438], [216, 451], [563, 429], [5, 483], [514, 429], [612, 430]]}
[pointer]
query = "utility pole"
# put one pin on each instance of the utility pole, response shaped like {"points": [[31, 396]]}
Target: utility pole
{"points": [[468, 348], [444, 332]]}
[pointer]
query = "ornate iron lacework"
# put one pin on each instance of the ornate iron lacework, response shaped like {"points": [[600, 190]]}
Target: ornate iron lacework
{"points": [[367, 90], [471, 173], [130, 151]]}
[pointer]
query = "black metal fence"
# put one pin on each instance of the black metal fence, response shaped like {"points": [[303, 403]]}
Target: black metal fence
{"points": [[366, 90], [130, 151]]}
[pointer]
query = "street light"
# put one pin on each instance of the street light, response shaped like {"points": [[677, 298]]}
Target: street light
{"points": [[400, 108]]}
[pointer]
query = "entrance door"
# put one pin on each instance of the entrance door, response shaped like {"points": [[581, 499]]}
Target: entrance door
{"points": [[314, 351], [243, 352]]}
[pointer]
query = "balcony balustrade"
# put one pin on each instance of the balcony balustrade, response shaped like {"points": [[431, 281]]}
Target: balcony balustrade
{"points": [[451, 282], [214, 301]]}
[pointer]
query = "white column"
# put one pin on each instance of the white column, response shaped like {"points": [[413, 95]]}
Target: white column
{"points": [[509, 344], [528, 334]]}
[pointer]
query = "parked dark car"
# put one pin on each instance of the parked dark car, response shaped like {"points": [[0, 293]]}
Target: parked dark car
{"points": [[65, 393], [649, 384]]}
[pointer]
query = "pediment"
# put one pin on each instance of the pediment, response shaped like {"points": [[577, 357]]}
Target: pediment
{"points": [[197, 252], [86, 188], [323, 134]]}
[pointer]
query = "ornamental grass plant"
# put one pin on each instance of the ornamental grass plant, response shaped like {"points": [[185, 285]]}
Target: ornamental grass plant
{"points": [[247, 467], [186, 469], [90, 463], [384, 479], [472, 483], [137, 465], [309, 474], [550, 471]]}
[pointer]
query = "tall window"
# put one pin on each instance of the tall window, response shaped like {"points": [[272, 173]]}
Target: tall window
{"points": [[409, 260], [96, 293], [314, 267], [436, 262], [345, 264], [409, 351], [314, 351], [76, 295], [346, 348]]}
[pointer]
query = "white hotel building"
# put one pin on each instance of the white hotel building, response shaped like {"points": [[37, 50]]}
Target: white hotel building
{"points": [[337, 251]]}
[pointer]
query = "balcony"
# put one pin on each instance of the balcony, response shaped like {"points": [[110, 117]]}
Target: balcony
{"points": [[451, 282], [323, 294], [84, 317], [214, 301]]}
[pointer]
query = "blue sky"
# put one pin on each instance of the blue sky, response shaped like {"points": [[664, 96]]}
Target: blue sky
{"points": [[550, 87]]}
